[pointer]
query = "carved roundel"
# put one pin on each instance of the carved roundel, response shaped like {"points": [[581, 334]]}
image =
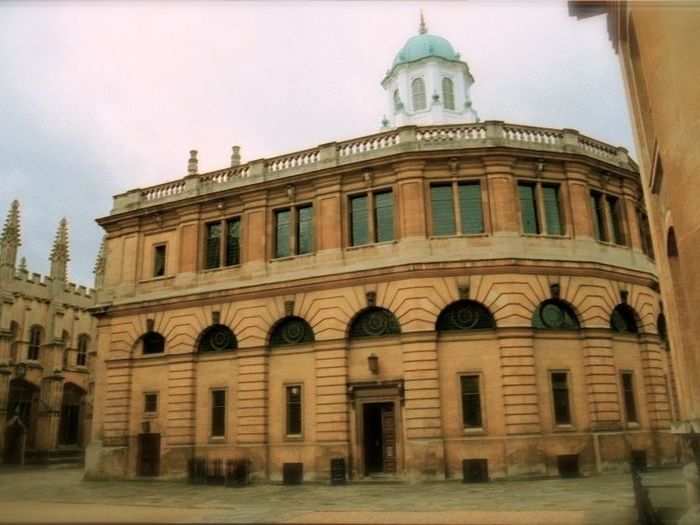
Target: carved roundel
{"points": [[375, 322], [218, 338], [465, 315], [291, 331], [553, 316]]}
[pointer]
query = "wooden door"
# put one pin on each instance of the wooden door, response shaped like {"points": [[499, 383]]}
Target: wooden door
{"points": [[388, 438], [149, 454]]}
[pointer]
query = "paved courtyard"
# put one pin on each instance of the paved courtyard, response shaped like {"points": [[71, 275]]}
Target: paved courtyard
{"points": [[60, 495]]}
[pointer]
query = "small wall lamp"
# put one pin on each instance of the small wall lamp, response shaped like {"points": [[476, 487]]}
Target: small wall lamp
{"points": [[373, 363]]}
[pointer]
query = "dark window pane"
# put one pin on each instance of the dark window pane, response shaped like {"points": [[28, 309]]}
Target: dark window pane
{"points": [[218, 413], [528, 208], [150, 403], [153, 343], [384, 216], [359, 233], [213, 245], [470, 208], [471, 402], [599, 230], [552, 211], [293, 410], [628, 392], [159, 261], [560, 395], [34, 343], [305, 229], [282, 233], [81, 359], [618, 230], [233, 242], [443, 210], [645, 233]]}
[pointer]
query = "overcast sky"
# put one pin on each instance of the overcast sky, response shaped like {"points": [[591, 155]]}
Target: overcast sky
{"points": [[98, 98]]}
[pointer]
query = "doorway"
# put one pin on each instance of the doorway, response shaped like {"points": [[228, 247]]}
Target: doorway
{"points": [[149, 455], [379, 438], [69, 427]]}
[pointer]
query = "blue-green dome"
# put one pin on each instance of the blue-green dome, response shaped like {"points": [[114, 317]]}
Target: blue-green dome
{"points": [[425, 45]]}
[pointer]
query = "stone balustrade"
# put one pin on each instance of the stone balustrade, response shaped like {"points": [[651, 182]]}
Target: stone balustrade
{"points": [[404, 139]]}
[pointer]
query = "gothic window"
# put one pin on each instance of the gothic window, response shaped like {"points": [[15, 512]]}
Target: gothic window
{"points": [[153, 343], [375, 322], [291, 330], [83, 343], [14, 336], [555, 315], [624, 319], [35, 336], [448, 94], [66, 349], [217, 338], [464, 315], [418, 92]]}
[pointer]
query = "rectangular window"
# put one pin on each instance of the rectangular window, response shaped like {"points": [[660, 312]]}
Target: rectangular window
{"points": [[150, 403], [645, 233], [218, 413], [560, 398], [552, 209], [443, 210], [471, 401], [212, 258], [359, 233], [293, 410], [305, 229], [282, 233], [528, 208], [471, 216], [233, 242], [628, 395], [599, 230], [159, 260], [384, 216], [617, 230]]}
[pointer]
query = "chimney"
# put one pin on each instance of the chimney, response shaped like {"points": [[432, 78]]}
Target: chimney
{"points": [[236, 156], [192, 163]]}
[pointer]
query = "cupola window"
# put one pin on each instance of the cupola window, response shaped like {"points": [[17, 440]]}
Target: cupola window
{"points": [[397, 101], [418, 92], [448, 94]]}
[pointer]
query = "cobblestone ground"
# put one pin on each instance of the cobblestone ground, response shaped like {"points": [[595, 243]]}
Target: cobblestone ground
{"points": [[60, 495]]}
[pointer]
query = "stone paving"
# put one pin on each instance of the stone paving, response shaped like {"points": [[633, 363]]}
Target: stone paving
{"points": [[32, 495]]}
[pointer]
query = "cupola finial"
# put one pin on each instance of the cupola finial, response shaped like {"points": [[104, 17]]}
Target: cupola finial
{"points": [[422, 29]]}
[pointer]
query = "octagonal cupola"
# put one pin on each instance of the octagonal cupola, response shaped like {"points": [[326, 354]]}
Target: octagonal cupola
{"points": [[428, 83]]}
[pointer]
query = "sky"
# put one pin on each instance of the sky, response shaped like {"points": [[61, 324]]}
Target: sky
{"points": [[97, 98]]}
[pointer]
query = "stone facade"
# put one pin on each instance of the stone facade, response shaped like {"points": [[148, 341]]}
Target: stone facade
{"points": [[46, 338], [303, 358]]}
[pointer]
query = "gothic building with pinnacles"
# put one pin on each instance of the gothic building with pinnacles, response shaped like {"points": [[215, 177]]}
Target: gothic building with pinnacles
{"points": [[46, 341]]}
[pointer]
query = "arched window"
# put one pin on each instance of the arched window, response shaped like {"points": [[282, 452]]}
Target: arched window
{"points": [[14, 337], [217, 338], [448, 93], [153, 343], [83, 343], [464, 315], [35, 336], [418, 92], [553, 314], [397, 100], [374, 322], [624, 319], [291, 330]]}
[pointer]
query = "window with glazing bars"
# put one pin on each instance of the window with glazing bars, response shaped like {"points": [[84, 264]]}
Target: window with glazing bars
{"points": [[159, 260], [218, 413], [617, 229], [223, 243], [294, 231], [34, 343], [418, 94], [150, 403], [448, 94], [540, 208], [378, 226], [560, 398], [81, 359], [600, 230], [628, 397], [293, 410], [471, 401], [461, 216]]}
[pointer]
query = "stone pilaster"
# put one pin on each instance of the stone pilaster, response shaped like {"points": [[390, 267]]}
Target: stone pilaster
{"points": [[601, 380], [503, 205], [252, 410], [50, 400], [332, 423], [425, 450], [581, 217], [520, 400], [411, 200], [5, 374], [658, 402]]}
